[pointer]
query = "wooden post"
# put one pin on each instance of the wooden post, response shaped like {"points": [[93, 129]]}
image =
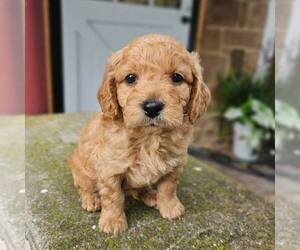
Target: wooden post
{"points": [[48, 65], [201, 19]]}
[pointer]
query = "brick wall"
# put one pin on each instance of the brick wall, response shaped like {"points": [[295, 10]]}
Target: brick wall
{"points": [[232, 36]]}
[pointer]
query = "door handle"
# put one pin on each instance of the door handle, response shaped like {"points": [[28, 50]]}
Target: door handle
{"points": [[186, 19]]}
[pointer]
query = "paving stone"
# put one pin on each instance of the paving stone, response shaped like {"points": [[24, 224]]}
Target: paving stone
{"points": [[220, 213]]}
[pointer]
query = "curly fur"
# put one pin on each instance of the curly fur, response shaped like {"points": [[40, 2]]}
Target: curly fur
{"points": [[122, 151]]}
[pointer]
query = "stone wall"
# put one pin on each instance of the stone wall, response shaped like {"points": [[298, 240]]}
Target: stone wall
{"points": [[232, 36]]}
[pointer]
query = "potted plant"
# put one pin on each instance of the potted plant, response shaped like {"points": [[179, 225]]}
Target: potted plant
{"points": [[253, 123], [248, 105]]}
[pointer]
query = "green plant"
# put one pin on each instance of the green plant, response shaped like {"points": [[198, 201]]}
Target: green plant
{"points": [[287, 122], [251, 102], [236, 88], [257, 116]]}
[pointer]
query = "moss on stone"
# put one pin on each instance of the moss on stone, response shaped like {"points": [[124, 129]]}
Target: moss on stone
{"points": [[220, 214]]}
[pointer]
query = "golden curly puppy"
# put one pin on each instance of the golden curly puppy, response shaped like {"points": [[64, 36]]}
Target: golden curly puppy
{"points": [[151, 95]]}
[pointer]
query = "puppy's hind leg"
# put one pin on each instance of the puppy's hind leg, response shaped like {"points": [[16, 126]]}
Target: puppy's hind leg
{"points": [[85, 185], [146, 195]]}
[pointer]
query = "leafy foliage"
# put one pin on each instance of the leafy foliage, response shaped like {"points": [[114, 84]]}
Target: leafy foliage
{"points": [[258, 117], [251, 102], [236, 88], [288, 123]]}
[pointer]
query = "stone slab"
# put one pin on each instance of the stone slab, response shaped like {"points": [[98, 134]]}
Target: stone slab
{"points": [[220, 213]]}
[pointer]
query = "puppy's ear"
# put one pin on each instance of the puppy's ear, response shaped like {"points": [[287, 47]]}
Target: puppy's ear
{"points": [[107, 93], [200, 94]]}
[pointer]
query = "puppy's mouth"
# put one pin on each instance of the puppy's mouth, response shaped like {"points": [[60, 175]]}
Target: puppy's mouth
{"points": [[158, 122], [142, 120], [152, 125], [153, 122]]}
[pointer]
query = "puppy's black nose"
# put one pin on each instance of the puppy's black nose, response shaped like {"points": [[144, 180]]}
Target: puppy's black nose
{"points": [[152, 108]]}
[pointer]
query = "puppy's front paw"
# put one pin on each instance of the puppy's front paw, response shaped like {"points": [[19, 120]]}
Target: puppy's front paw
{"points": [[90, 202], [171, 209], [113, 225]]}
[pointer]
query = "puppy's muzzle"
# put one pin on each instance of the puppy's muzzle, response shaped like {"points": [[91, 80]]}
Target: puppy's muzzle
{"points": [[152, 108]]}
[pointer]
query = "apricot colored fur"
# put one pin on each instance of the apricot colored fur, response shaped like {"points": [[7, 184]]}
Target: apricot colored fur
{"points": [[122, 151]]}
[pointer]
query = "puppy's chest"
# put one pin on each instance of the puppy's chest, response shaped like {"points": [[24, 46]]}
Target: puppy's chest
{"points": [[153, 157]]}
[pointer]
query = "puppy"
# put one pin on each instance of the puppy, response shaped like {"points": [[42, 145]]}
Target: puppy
{"points": [[151, 95]]}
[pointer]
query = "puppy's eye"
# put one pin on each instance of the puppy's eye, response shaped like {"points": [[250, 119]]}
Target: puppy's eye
{"points": [[176, 78], [131, 78]]}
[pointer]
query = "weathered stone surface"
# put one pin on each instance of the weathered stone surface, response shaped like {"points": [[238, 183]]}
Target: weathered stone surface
{"points": [[287, 207], [251, 60], [240, 39], [257, 14], [213, 64], [220, 214], [222, 13], [12, 182], [212, 39], [237, 58]]}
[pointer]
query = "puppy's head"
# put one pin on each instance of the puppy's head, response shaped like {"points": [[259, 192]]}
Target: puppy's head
{"points": [[153, 81]]}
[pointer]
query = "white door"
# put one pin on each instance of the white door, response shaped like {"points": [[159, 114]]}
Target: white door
{"points": [[93, 29]]}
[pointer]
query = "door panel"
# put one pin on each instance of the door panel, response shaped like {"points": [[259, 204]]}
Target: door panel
{"points": [[92, 30]]}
